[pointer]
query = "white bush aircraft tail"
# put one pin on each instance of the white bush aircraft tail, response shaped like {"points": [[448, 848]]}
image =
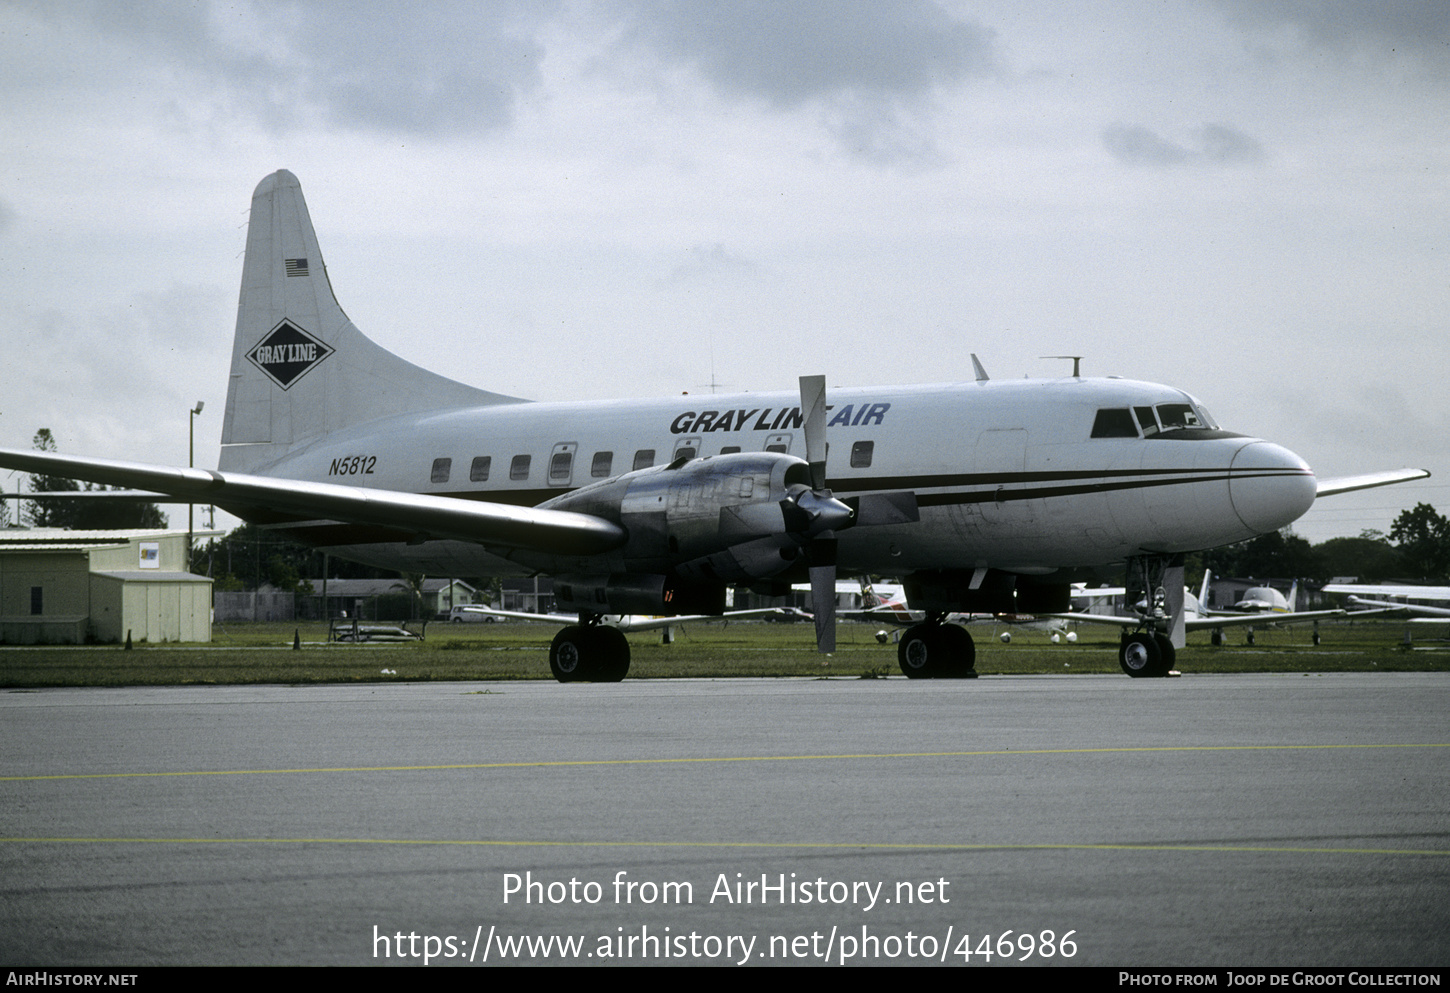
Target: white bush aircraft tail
{"points": [[986, 496]]}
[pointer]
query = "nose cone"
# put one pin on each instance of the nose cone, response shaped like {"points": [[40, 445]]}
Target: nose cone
{"points": [[1270, 487]]}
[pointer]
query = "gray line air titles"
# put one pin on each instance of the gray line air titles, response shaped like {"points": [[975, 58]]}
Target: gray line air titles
{"points": [[772, 419]]}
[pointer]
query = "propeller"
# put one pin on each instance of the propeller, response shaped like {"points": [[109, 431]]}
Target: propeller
{"points": [[821, 548]]}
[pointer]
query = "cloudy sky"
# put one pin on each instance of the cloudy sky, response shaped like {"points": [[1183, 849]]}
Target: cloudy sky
{"points": [[1247, 199]]}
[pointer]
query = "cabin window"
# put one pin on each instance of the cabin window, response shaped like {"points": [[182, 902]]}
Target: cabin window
{"points": [[861, 452], [1115, 422], [478, 471], [603, 462], [519, 467], [729, 449], [560, 466], [441, 470], [684, 452], [644, 458], [37, 600], [777, 447]]}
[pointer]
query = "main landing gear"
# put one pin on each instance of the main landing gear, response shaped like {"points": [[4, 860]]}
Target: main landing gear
{"points": [[1147, 653], [936, 650], [589, 652]]}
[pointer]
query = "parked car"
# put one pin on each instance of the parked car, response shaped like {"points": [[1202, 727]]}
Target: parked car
{"points": [[471, 614]]}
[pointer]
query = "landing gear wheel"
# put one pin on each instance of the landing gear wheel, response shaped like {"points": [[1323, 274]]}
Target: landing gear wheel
{"points": [[917, 651], [1166, 650], [597, 654], [937, 651], [1140, 655], [958, 653], [613, 649], [568, 654]]}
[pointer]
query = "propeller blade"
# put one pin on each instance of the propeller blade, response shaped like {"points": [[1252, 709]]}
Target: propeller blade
{"points": [[813, 415], [822, 555]]}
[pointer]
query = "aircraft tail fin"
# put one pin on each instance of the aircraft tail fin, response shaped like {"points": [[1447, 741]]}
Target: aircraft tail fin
{"points": [[300, 368]]}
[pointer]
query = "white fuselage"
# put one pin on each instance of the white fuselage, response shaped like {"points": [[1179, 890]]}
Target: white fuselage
{"points": [[1007, 474]]}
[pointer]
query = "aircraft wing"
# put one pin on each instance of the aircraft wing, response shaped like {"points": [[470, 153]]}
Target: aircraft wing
{"points": [[1409, 592], [1346, 484], [1387, 607], [1208, 623], [1114, 620], [557, 531], [1263, 619], [633, 623]]}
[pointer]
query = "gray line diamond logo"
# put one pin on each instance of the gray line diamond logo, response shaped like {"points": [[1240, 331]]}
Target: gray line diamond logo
{"points": [[287, 354]]}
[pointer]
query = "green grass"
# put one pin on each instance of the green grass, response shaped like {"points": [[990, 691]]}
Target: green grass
{"points": [[262, 653]]}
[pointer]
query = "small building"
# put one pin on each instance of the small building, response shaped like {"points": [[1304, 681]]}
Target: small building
{"points": [[70, 587]]}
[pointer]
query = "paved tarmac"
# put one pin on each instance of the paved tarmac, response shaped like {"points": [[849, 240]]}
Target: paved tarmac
{"points": [[1210, 820]]}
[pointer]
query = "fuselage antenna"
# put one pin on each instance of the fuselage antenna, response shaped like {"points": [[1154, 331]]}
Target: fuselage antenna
{"points": [[1076, 362]]}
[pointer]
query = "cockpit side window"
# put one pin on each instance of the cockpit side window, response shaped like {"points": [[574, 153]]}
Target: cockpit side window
{"points": [[1146, 420], [1114, 422]]}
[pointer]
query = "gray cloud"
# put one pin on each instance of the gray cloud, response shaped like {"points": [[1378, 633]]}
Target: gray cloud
{"points": [[1216, 144], [712, 263], [792, 51], [436, 67], [1382, 28]]}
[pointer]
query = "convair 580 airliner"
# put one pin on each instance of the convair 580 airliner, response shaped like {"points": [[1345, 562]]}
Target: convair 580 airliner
{"points": [[984, 496]]}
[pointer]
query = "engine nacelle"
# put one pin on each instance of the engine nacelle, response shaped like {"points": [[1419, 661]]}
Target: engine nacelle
{"points": [[724, 519], [631, 593]]}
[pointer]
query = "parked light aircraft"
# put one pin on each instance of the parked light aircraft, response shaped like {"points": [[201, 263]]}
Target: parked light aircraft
{"points": [[987, 496], [1197, 616]]}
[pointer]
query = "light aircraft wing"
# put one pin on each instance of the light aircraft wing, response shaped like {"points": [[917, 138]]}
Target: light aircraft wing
{"points": [[560, 531], [633, 623], [1391, 606], [1407, 592], [1347, 484], [1209, 623]]}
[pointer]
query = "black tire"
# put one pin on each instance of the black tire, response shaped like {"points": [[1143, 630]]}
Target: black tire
{"points": [[918, 651], [958, 655], [569, 654], [613, 655], [1166, 650], [1140, 656]]}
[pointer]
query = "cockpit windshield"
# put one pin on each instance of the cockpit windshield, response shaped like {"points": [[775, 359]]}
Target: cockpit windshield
{"points": [[1176, 416], [1115, 422]]}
